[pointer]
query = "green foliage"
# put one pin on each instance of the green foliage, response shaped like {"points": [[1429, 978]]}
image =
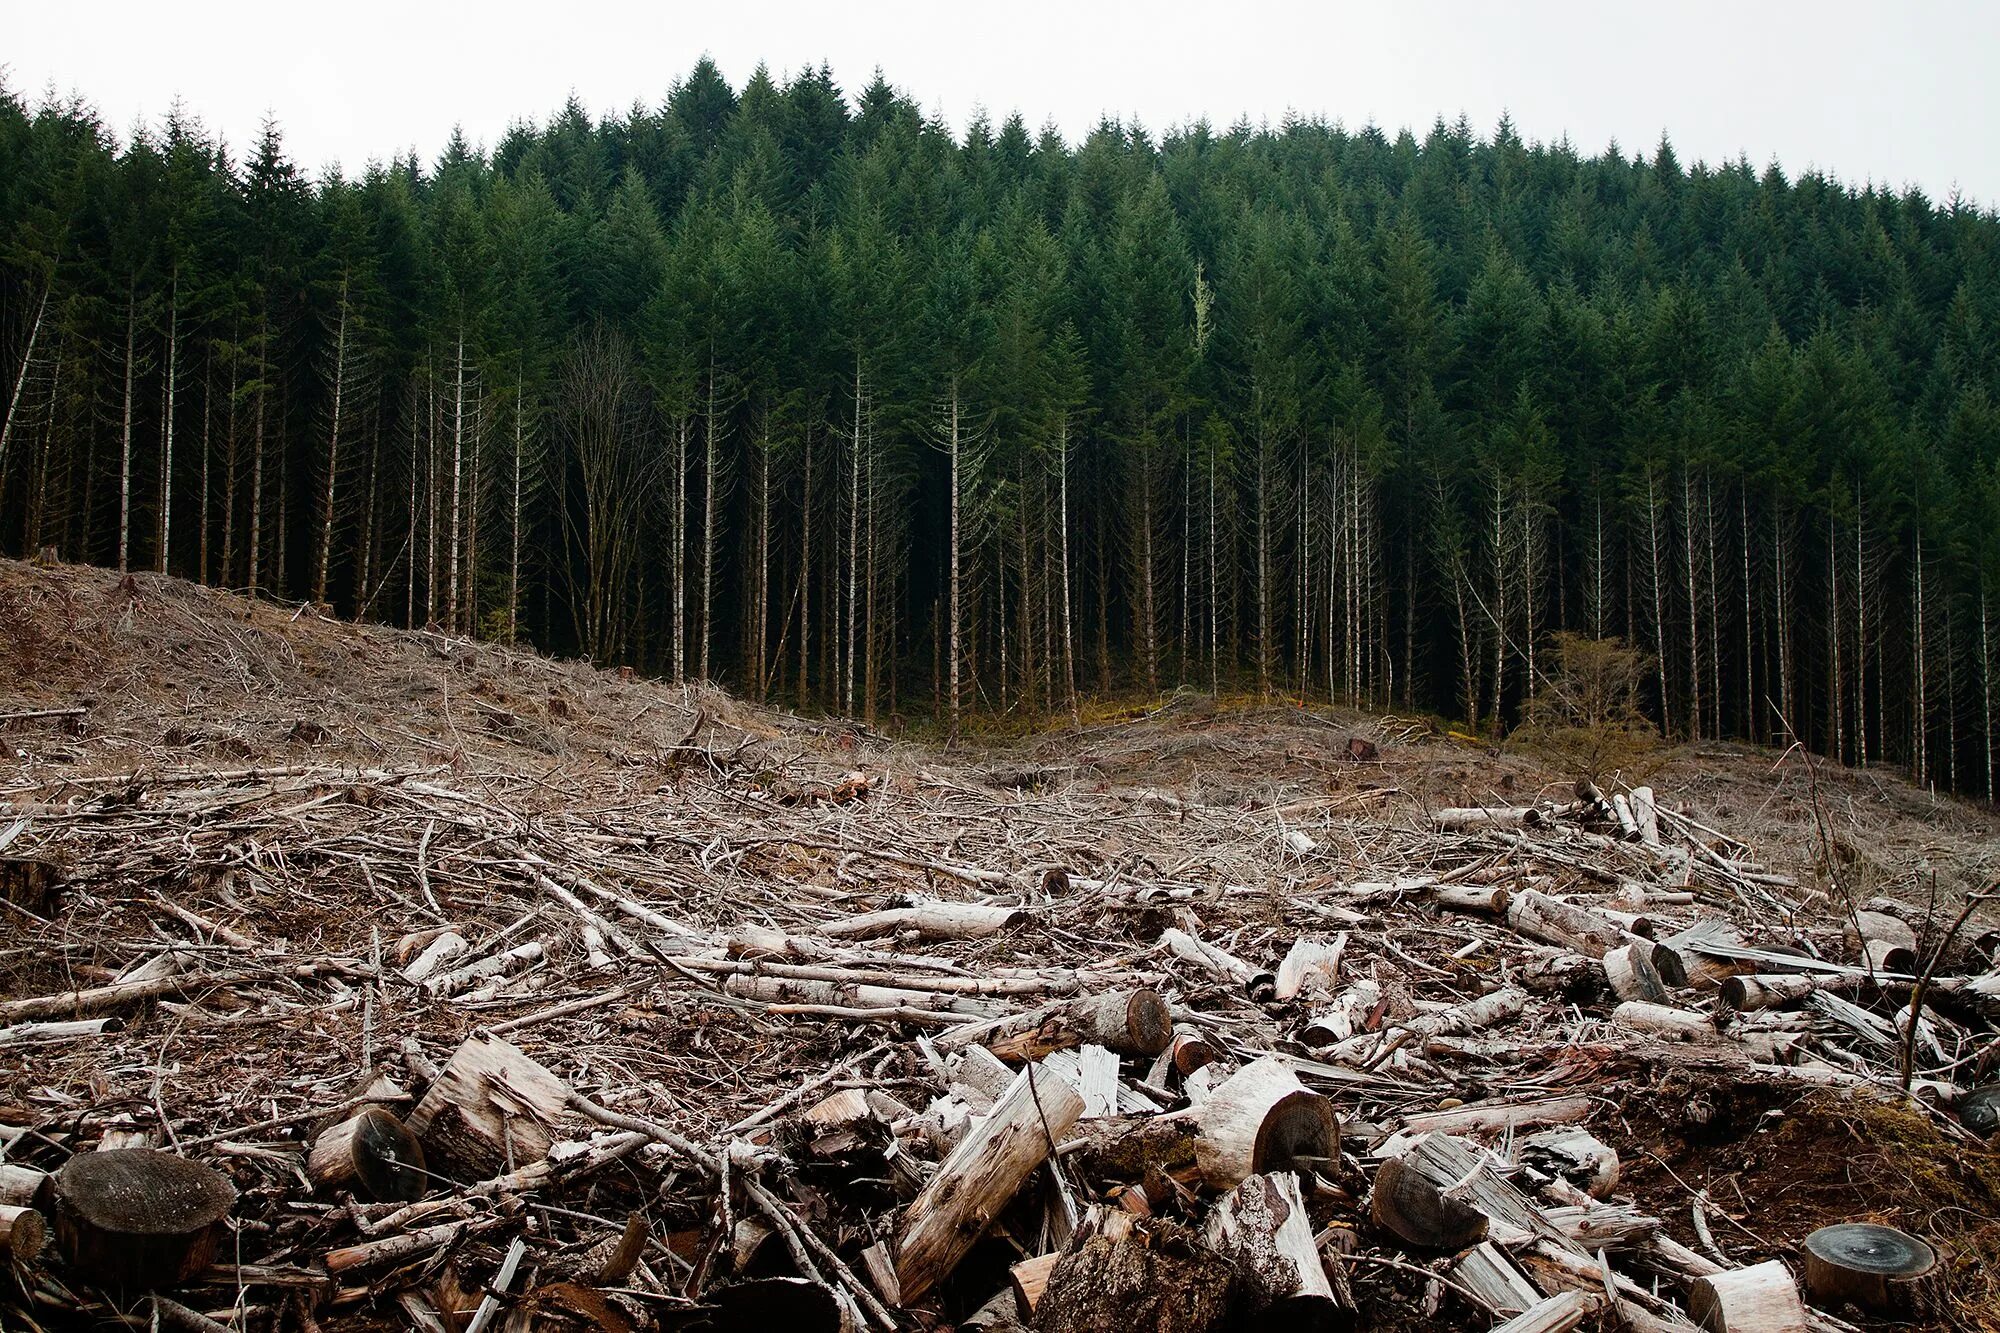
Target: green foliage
{"points": [[1584, 716]]}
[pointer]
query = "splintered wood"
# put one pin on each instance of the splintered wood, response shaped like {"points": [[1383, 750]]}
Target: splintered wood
{"points": [[756, 1022]]}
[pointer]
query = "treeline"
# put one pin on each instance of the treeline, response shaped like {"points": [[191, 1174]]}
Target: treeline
{"points": [[807, 394]]}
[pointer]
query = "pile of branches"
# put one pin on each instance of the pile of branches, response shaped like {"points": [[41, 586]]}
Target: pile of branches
{"points": [[762, 1038]]}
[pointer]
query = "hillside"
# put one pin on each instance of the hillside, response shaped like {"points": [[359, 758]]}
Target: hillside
{"points": [[255, 820]]}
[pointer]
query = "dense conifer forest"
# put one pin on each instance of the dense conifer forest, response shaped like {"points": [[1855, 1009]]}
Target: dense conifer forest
{"points": [[795, 389]]}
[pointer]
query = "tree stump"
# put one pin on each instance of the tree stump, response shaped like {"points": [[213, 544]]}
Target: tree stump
{"points": [[373, 1154], [489, 1110], [1879, 1269], [137, 1219], [1407, 1205]]}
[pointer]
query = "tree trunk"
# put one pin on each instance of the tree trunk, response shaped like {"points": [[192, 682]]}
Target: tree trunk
{"points": [[125, 435], [328, 491]]}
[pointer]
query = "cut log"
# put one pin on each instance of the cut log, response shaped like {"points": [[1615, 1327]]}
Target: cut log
{"points": [[1575, 1155], [22, 1233], [1877, 1268], [1488, 1273], [1134, 1022], [138, 1219], [1406, 1204], [1759, 1299], [490, 1109], [1166, 1280], [22, 1186], [1476, 818], [1262, 1119], [1489, 1010], [1259, 985], [1261, 1226], [1629, 970], [1660, 1020], [1628, 819], [1881, 942], [1490, 899], [1463, 1172], [1557, 1314], [931, 920], [1541, 917], [1030, 1278], [1646, 810], [373, 1154], [28, 1034], [1494, 1116], [981, 1175], [1310, 965], [854, 995], [1772, 990]]}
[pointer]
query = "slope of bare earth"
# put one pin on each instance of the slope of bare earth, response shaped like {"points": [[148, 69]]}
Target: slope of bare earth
{"points": [[287, 809]]}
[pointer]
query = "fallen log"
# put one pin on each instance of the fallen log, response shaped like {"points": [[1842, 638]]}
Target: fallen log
{"points": [[1258, 984], [22, 1234], [1165, 1279], [980, 1176], [1261, 1226], [1407, 1204], [373, 1154], [1759, 1299], [1575, 1155], [22, 1186], [1881, 943], [1630, 972], [135, 1218], [931, 920], [1494, 1280], [1262, 1119], [1556, 1314], [1477, 818], [1660, 1020], [490, 1108], [1309, 963], [1135, 1022], [1552, 921]]}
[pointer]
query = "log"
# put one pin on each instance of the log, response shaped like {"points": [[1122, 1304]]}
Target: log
{"points": [[1877, 1268], [1309, 964], [493, 965], [1494, 1116], [854, 995], [1488, 1273], [1575, 1155], [1464, 1172], [1759, 1299], [1628, 819], [22, 1233], [136, 1219], [1772, 990], [436, 954], [490, 1109], [1881, 942], [1164, 1280], [1030, 1278], [1136, 1022], [22, 1186], [931, 920], [1262, 1119], [373, 1154], [1629, 970], [1541, 917], [1557, 1314], [1475, 818], [1261, 1226], [1665, 1021], [980, 1176], [1408, 1205], [1257, 984], [25, 1034], [1490, 899]]}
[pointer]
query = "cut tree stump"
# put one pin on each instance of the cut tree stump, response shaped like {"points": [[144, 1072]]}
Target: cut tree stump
{"points": [[1261, 1119], [981, 1175], [138, 1219], [1164, 1280], [930, 920], [1262, 1227], [373, 1154], [1759, 1299], [490, 1109], [1877, 1268], [1136, 1022]]}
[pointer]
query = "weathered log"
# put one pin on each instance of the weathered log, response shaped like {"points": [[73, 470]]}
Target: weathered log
{"points": [[1494, 1116], [493, 965], [1489, 1274], [1541, 917], [1464, 1172], [137, 1219], [1310, 964], [22, 1233], [441, 950], [1877, 1268], [1556, 1314], [1629, 970], [1407, 1204], [854, 995], [1646, 810], [1136, 1022], [1473, 818], [22, 1186], [491, 1108], [1489, 1010], [1030, 1278], [981, 1175], [1575, 1155], [931, 920], [1258, 984], [1759, 1299], [1260, 1119], [1772, 990], [1662, 1020], [27, 1034], [1262, 1227], [1491, 899], [373, 1154], [1166, 1280]]}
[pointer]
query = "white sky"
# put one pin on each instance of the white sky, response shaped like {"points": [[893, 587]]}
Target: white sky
{"points": [[1894, 93]]}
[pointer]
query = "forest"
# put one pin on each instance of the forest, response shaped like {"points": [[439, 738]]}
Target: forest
{"points": [[805, 393]]}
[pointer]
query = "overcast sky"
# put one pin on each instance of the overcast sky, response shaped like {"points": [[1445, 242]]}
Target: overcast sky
{"points": [[1893, 93]]}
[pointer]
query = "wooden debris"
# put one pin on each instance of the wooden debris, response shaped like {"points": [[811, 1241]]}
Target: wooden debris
{"points": [[1262, 1119], [1759, 1299], [135, 1219]]}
